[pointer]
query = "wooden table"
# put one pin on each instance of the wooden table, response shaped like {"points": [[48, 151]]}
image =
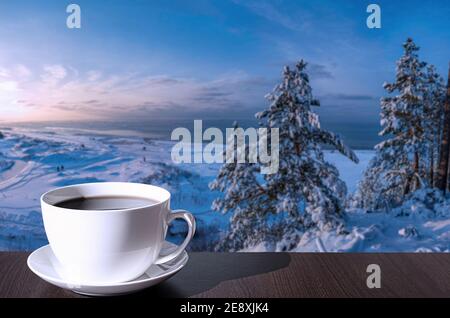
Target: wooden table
{"points": [[268, 275]]}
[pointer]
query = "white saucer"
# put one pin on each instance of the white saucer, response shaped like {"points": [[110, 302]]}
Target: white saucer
{"points": [[41, 262]]}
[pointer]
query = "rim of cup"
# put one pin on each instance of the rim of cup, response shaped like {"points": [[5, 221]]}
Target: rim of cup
{"points": [[149, 186]]}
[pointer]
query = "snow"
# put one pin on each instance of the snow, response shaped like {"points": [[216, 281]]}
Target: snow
{"points": [[28, 167], [34, 161]]}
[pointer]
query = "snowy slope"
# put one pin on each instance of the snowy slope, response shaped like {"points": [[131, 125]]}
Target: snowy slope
{"points": [[33, 162]]}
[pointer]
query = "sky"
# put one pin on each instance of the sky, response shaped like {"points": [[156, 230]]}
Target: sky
{"points": [[136, 60]]}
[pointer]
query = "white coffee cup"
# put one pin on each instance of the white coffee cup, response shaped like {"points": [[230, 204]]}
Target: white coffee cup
{"points": [[110, 246]]}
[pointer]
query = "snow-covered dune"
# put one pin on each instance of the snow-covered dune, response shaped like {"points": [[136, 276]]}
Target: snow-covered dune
{"points": [[33, 162]]}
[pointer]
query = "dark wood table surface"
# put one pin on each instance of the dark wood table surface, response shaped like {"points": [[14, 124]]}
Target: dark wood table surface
{"points": [[268, 275]]}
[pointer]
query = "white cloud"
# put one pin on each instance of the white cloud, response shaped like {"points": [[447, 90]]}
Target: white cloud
{"points": [[272, 13], [8, 86], [22, 71], [93, 75], [4, 72], [60, 94], [53, 73]]}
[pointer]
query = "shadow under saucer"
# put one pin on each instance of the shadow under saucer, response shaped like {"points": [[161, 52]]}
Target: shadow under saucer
{"points": [[206, 270]]}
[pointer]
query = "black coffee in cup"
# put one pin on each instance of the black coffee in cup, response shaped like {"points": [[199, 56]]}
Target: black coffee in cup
{"points": [[105, 203]]}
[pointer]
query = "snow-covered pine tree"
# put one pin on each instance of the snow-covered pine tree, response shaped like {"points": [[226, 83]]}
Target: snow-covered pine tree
{"points": [[242, 194], [309, 191], [305, 194], [433, 98], [395, 171], [442, 176]]}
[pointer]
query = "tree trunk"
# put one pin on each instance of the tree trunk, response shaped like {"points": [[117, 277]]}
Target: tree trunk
{"points": [[442, 172], [416, 169], [412, 181], [431, 176], [436, 147]]}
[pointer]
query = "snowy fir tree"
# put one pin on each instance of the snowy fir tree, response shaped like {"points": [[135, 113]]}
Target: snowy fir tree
{"points": [[442, 180], [405, 161], [434, 98], [243, 194], [306, 193]]}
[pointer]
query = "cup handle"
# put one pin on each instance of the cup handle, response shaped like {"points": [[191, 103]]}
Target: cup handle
{"points": [[189, 218]]}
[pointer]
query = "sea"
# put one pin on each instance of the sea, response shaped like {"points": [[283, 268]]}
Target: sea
{"points": [[357, 135]]}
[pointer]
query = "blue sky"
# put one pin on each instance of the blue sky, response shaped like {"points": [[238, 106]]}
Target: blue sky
{"points": [[204, 59]]}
